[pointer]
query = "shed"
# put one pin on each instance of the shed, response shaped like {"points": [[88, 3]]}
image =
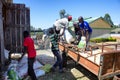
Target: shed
{"points": [[98, 22]]}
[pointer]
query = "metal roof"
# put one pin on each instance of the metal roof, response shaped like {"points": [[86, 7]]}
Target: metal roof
{"points": [[89, 20]]}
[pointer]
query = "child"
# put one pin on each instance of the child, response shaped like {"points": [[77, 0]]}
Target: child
{"points": [[30, 50], [55, 49]]}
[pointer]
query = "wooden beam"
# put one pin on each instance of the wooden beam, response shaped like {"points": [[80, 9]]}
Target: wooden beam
{"points": [[1, 39]]}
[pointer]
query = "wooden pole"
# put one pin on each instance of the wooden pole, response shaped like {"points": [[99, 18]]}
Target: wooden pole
{"points": [[1, 40]]}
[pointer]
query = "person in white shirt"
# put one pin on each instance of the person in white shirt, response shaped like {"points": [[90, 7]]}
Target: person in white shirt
{"points": [[61, 24]]}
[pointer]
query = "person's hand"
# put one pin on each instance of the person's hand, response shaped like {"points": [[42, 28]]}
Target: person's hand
{"points": [[86, 29], [19, 59]]}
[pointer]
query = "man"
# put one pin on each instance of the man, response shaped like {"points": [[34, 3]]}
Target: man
{"points": [[78, 31], [61, 24], [86, 29], [29, 48], [55, 49]]}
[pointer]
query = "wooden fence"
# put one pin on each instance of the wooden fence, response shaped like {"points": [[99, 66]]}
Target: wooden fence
{"points": [[16, 20]]}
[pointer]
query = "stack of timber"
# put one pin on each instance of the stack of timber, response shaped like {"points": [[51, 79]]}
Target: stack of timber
{"points": [[16, 20], [103, 61]]}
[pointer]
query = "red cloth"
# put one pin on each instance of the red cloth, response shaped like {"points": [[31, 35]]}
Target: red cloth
{"points": [[29, 43]]}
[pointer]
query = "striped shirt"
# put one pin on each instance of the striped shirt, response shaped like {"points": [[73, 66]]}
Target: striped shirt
{"points": [[54, 41]]}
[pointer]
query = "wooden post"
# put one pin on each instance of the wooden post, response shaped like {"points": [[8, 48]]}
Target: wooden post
{"points": [[1, 40], [100, 68]]}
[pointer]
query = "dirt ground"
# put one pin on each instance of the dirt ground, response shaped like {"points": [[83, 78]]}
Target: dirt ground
{"points": [[72, 71]]}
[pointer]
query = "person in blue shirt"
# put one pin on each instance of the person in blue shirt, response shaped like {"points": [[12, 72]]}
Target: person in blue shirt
{"points": [[86, 29]]}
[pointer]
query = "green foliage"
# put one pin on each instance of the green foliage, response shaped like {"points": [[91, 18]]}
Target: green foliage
{"points": [[62, 13], [32, 28], [98, 40], [32, 33], [108, 19], [103, 28], [39, 29], [39, 35], [115, 26]]}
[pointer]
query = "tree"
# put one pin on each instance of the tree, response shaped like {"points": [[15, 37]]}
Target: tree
{"points": [[39, 29], [108, 19], [32, 28], [119, 25], [62, 13], [67, 15]]}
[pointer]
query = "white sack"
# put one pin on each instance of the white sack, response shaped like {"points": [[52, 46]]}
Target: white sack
{"points": [[6, 53], [39, 72], [23, 67], [68, 37]]}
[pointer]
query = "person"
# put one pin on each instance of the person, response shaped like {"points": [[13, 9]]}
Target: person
{"points": [[44, 39], [78, 32], [55, 49], [61, 24], [86, 29], [30, 50]]}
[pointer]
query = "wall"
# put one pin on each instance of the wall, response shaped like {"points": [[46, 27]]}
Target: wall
{"points": [[100, 23], [99, 32]]}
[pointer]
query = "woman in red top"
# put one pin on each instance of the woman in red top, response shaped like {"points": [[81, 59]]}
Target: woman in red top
{"points": [[29, 48]]}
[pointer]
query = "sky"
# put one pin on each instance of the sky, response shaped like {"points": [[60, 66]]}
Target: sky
{"points": [[43, 13]]}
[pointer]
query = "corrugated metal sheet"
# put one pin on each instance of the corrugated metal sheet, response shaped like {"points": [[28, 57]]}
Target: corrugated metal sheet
{"points": [[89, 20]]}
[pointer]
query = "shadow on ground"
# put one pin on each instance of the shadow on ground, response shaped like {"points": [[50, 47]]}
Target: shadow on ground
{"points": [[72, 72]]}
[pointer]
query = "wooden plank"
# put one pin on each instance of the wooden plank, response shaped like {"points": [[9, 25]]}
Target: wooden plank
{"points": [[2, 58], [117, 62], [89, 65], [111, 64], [73, 55], [17, 19], [109, 61], [61, 47], [111, 74]]}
